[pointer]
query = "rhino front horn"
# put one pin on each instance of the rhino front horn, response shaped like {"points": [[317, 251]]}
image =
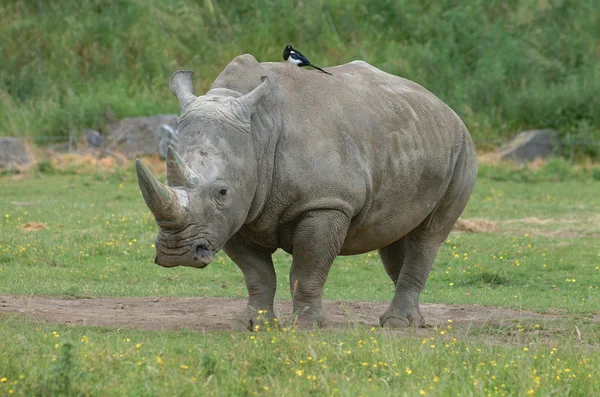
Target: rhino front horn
{"points": [[179, 174], [168, 205]]}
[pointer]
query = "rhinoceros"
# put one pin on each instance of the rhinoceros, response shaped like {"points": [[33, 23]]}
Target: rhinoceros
{"points": [[277, 157]]}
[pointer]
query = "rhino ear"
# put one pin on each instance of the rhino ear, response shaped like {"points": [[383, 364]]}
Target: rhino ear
{"points": [[248, 104], [181, 86]]}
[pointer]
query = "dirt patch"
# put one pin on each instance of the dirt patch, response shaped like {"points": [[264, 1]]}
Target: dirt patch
{"points": [[561, 234], [475, 225], [219, 313], [530, 225], [569, 227], [538, 221], [33, 226]]}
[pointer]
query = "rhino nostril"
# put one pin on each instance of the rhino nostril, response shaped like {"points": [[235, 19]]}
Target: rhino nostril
{"points": [[202, 251]]}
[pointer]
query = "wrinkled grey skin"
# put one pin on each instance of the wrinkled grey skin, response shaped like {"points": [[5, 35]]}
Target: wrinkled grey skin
{"points": [[274, 156]]}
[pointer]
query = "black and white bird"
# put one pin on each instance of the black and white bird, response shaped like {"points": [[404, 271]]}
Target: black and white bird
{"points": [[292, 55]]}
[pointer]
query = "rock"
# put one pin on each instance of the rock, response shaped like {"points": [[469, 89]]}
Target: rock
{"points": [[167, 135], [13, 153], [93, 138], [529, 145], [142, 135]]}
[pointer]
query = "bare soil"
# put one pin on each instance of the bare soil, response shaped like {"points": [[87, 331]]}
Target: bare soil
{"points": [[220, 313]]}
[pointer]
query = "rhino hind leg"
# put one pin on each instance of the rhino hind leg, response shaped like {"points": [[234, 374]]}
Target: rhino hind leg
{"points": [[419, 253], [261, 281], [421, 245], [419, 249]]}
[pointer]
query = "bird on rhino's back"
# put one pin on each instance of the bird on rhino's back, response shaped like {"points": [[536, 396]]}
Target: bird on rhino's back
{"points": [[277, 157]]}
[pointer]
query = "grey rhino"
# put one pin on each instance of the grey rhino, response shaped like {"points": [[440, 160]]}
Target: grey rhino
{"points": [[274, 156]]}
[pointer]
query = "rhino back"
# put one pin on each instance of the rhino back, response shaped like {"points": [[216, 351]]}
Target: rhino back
{"points": [[377, 147]]}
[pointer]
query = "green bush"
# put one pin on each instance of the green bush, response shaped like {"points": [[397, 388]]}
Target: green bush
{"points": [[501, 65], [553, 170], [45, 167]]}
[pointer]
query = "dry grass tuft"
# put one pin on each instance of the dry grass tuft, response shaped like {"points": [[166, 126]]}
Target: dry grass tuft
{"points": [[33, 226], [83, 164], [491, 158], [538, 164], [155, 164], [475, 225]]}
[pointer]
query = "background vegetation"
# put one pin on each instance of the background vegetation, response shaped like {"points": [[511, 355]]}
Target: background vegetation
{"points": [[502, 65]]}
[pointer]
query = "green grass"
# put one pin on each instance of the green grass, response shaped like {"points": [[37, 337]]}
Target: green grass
{"points": [[44, 359], [502, 66], [98, 243]]}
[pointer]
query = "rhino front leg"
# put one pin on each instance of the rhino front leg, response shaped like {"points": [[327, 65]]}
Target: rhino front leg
{"points": [[392, 257], [317, 239], [257, 266], [419, 252]]}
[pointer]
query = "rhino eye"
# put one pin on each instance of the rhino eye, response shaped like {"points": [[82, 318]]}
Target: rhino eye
{"points": [[223, 192]]}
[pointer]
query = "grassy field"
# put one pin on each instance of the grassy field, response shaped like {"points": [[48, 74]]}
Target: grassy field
{"points": [[77, 236], [44, 359], [502, 66], [98, 241]]}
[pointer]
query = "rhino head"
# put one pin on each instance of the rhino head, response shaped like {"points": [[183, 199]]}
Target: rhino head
{"points": [[211, 185]]}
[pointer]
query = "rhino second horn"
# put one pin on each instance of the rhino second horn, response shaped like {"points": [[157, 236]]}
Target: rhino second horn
{"points": [[178, 173], [168, 205], [181, 86]]}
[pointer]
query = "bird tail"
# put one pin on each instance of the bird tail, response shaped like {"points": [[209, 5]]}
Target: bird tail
{"points": [[318, 68]]}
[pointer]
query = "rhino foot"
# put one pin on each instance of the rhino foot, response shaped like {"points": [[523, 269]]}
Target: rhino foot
{"points": [[256, 320], [306, 323], [398, 320], [307, 317]]}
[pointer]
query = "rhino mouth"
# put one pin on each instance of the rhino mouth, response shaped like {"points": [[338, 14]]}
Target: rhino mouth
{"points": [[197, 255]]}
